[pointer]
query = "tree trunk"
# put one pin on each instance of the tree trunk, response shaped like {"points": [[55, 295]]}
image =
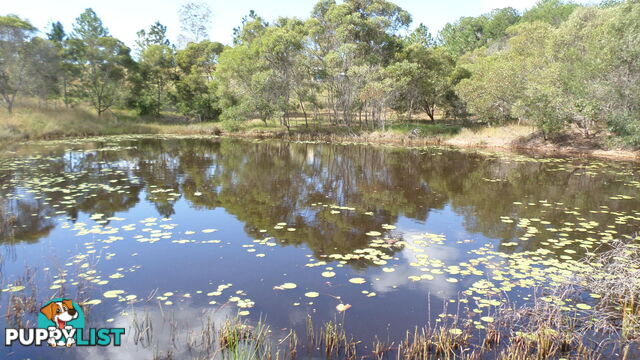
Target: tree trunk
{"points": [[65, 92], [430, 110], [306, 122]]}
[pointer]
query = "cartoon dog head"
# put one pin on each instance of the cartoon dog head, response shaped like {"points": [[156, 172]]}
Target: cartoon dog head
{"points": [[60, 312]]}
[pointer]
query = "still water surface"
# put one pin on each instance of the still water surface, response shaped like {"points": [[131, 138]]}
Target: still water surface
{"points": [[188, 228]]}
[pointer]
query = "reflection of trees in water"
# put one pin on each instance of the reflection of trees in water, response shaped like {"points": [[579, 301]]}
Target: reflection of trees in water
{"points": [[482, 202], [264, 183], [277, 182], [7, 221], [24, 220]]}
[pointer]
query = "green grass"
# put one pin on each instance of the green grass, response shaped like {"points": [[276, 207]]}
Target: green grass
{"points": [[426, 129]]}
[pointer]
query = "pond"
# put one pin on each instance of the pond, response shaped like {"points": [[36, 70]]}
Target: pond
{"points": [[179, 231]]}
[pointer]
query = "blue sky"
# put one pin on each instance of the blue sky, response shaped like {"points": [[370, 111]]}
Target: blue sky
{"points": [[125, 17]]}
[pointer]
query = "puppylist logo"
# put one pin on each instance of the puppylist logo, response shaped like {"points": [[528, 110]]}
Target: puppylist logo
{"points": [[61, 323]]}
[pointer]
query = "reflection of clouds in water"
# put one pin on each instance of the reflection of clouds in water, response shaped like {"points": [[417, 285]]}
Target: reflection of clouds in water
{"points": [[298, 315], [400, 277], [188, 320]]}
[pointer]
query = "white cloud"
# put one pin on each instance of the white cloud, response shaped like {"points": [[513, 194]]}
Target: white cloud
{"points": [[188, 320]]}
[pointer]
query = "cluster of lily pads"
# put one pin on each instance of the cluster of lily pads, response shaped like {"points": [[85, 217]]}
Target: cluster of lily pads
{"points": [[488, 271]]}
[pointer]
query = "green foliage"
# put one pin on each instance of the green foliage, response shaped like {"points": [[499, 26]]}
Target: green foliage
{"points": [[584, 74], [432, 84], [14, 26], [57, 33], [89, 26], [156, 72], [67, 68], [156, 35], [470, 33], [260, 77], [553, 12], [627, 130], [103, 60], [195, 88], [558, 66], [16, 52], [421, 36]]}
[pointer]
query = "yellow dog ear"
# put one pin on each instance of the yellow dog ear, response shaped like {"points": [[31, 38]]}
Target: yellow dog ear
{"points": [[48, 310], [68, 303]]}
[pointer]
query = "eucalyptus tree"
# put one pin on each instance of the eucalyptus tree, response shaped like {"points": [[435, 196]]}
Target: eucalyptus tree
{"points": [[583, 73], [245, 84], [157, 72], [103, 61], [195, 21], [279, 50], [523, 60], [349, 35], [15, 57], [68, 69], [597, 53], [46, 70], [553, 12], [620, 50], [152, 80], [155, 35], [407, 78], [195, 85], [430, 82], [470, 33]]}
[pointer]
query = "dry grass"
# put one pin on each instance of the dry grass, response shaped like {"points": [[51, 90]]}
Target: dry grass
{"points": [[545, 330], [492, 136], [22, 305], [185, 129], [29, 123]]}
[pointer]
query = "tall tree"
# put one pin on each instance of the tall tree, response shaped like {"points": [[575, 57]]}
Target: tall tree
{"points": [[88, 26], [470, 33], [15, 57], [155, 35], [241, 75], [103, 60], [195, 21], [421, 36], [57, 33], [157, 68], [195, 88], [349, 35], [46, 69], [68, 69], [553, 12]]}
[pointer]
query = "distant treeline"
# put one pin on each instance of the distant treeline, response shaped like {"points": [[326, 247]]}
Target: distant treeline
{"points": [[557, 66]]}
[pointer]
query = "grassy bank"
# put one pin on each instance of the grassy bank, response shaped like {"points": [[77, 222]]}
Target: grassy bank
{"points": [[45, 124]]}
